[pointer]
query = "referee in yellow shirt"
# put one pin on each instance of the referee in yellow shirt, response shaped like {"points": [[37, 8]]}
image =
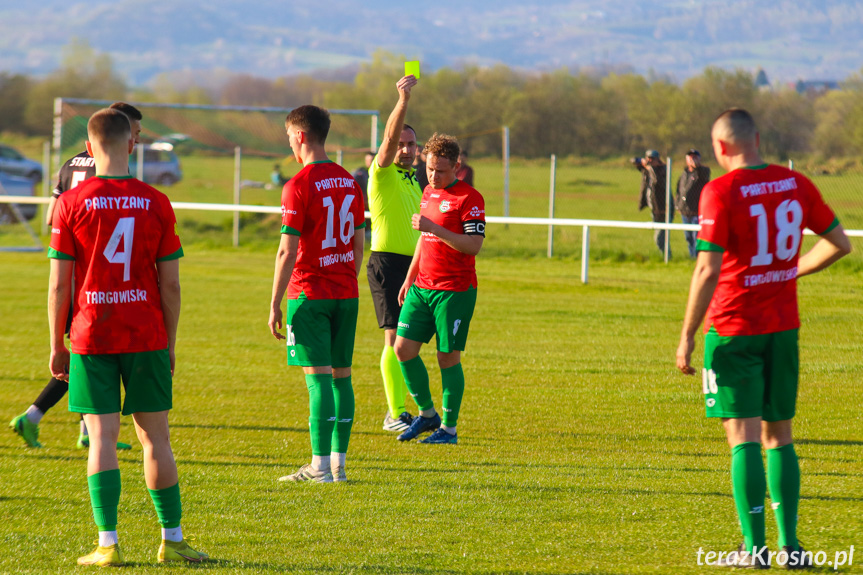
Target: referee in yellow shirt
{"points": [[394, 195]]}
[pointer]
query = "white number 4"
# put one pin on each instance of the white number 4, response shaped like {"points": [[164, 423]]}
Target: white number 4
{"points": [[125, 230]]}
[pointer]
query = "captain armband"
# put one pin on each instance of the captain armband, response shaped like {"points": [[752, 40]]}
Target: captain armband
{"points": [[474, 228]]}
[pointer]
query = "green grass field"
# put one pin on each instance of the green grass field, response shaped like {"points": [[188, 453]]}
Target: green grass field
{"points": [[582, 450]]}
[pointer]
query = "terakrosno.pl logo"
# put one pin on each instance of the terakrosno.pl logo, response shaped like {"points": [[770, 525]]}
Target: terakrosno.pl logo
{"points": [[778, 558]]}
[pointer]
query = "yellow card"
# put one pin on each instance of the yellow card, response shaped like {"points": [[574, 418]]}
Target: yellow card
{"points": [[413, 68]]}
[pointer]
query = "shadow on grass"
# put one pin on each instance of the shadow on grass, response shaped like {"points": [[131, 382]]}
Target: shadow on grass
{"points": [[836, 442], [240, 427]]}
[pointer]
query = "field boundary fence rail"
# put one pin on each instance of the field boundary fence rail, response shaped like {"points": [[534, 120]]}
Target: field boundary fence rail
{"points": [[585, 224]]}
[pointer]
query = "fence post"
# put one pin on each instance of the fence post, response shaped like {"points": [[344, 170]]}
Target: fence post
{"points": [[46, 184], [339, 157], [585, 252], [374, 143], [667, 248], [237, 159], [58, 137], [506, 171], [551, 190], [790, 164]]}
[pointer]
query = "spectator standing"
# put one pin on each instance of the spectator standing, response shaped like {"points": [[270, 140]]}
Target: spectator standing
{"points": [[653, 192], [689, 186]]}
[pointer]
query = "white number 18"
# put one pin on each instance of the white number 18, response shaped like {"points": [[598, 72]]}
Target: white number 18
{"points": [[788, 218]]}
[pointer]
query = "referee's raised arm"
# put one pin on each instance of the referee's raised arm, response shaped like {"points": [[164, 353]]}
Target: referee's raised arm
{"points": [[393, 131]]}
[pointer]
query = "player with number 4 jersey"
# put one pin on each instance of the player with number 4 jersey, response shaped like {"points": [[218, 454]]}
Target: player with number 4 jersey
{"points": [[745, 289]]}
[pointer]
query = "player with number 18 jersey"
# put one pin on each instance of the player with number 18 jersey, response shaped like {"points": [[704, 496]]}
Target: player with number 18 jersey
{"points": [[115, 229], [756, 217]]}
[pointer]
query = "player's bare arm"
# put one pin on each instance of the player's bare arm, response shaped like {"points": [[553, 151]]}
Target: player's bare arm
{"points": [[286, 257], [413, 270], [393, 131], [169, 292], [832, 246], [49, 213], [358, 243], [470, 245], [704, 280], [59, 297]]}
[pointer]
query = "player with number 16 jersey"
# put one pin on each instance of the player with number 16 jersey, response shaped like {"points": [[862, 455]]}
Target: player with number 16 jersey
{"points": [[323, 204], [115, 229], [756, 217]]}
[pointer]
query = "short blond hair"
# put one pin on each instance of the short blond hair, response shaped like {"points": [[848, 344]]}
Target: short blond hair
{"points": [[442, 146], [735, 125]]}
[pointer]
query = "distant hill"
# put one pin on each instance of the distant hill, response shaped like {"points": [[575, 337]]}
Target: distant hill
{"points": [[790, 39]]}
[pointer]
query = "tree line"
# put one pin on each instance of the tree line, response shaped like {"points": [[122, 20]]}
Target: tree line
{"points": [[561, 112]]}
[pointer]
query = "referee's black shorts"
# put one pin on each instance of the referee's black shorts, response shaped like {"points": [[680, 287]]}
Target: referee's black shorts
{"points": [[387, 272]]}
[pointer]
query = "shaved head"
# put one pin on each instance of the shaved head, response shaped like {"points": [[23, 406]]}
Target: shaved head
{"points": [[735, 126]]}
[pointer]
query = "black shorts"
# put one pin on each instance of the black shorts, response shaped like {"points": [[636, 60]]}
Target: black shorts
{"points": [[387, 272]]}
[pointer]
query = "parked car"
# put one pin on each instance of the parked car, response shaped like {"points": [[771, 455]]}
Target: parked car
{"points": [[13, 162], [16, 186], [161, 164]]}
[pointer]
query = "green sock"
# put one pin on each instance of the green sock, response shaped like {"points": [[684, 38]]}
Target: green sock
{"points": [[105, 498], [452, 380], [168, 508], [417, 380], [394, 381], [750, 488], [343, 393], [783, 475], [322, 411]]}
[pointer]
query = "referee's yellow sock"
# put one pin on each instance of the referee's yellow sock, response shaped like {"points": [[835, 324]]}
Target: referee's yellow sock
{"points": [[394, 381]]}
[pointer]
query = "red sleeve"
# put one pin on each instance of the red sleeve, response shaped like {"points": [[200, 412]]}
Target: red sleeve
{"points": [[713, 216], [358, 207], [62, 239], [473, 207], [819, 216], [170, 242], [294, 206]]}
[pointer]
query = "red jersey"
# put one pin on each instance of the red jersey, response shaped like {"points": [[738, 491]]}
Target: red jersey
{"points": [[115, 229], [323, 204], [461, 209], [756, 217]]}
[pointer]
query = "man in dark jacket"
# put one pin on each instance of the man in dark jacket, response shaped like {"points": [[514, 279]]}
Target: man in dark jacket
{"points": [[689, 187], [653, 192]]}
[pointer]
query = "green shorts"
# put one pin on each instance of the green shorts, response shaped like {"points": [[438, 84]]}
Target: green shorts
{"points": [[94, 382], [427, 312], [321, 332], [751, 375]]}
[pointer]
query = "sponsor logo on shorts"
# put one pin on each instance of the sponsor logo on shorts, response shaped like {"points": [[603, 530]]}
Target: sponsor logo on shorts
{"points": [[711, 402], [444, 206], [404, 325], [455, 326]]}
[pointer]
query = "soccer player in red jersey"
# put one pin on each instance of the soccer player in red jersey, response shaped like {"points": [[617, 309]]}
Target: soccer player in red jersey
{"points": [[752, 221], [118, 236], [317, 264], [75, 171], [439, 294]]}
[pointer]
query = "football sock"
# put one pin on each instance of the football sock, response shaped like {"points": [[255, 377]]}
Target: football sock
{"points": [[343, 394], [450, 430], [108, 538], [321, 462], [174, 534], [51, 394], [322, 412], [34, 414], [783, 475], [750, 488], [452, 381], [417, 380], [168, 507], [105, 497], [394, 381], [338, 459]]}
